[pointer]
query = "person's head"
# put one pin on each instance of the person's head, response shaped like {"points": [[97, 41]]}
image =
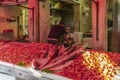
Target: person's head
{"points": [[68, 29]]}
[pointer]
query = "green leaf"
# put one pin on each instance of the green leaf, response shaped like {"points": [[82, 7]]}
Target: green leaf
{"points": [[21, 63], [48, 71]]}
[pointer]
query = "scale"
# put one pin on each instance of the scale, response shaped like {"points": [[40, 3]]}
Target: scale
{"points": [[10, 71]]}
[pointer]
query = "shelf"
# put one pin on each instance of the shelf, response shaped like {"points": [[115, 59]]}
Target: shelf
{"points": [[63, 9], [69, 1], [58, 5]]}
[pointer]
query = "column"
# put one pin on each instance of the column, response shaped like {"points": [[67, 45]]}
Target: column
{"points": [[99, 28]]}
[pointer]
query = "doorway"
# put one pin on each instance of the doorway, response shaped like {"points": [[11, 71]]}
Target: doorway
{"points": [[86, 22], [109, 24], [23, 23]]}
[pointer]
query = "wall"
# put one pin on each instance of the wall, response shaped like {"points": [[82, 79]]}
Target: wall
{"points": [[2, 19], [39, 24], [101, 42], [33, 20], [44, 20]]}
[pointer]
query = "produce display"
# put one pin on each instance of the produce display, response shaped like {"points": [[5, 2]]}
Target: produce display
{"points": [[22, 53], [72, 62], [92, 65]]}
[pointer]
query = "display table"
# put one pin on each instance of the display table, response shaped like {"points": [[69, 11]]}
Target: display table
{"points": [[117, 77], [9, 71], [6, 77]]}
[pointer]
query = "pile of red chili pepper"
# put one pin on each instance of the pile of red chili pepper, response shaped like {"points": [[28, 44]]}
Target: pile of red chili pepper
{"points": [[72, 62], [92, 65], [22, 53]]}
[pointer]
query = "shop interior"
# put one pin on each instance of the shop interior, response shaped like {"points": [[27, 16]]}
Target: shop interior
{"points": [[80, 30], [81, 25], [76, 16], [15, 27]]}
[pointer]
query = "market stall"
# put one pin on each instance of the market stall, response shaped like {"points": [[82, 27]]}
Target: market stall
{"points": [[57, 62]]}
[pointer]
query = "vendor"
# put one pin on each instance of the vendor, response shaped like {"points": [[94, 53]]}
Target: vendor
{"points": [[57, 33], [70, 37]]}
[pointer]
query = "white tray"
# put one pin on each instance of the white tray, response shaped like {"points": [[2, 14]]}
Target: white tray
{"points": [[23, 73]]}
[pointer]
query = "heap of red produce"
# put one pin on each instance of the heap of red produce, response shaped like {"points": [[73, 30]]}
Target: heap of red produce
{"points": [[22, 53], [41, 55], [57, 59], [72, 62], [92, 65]]}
